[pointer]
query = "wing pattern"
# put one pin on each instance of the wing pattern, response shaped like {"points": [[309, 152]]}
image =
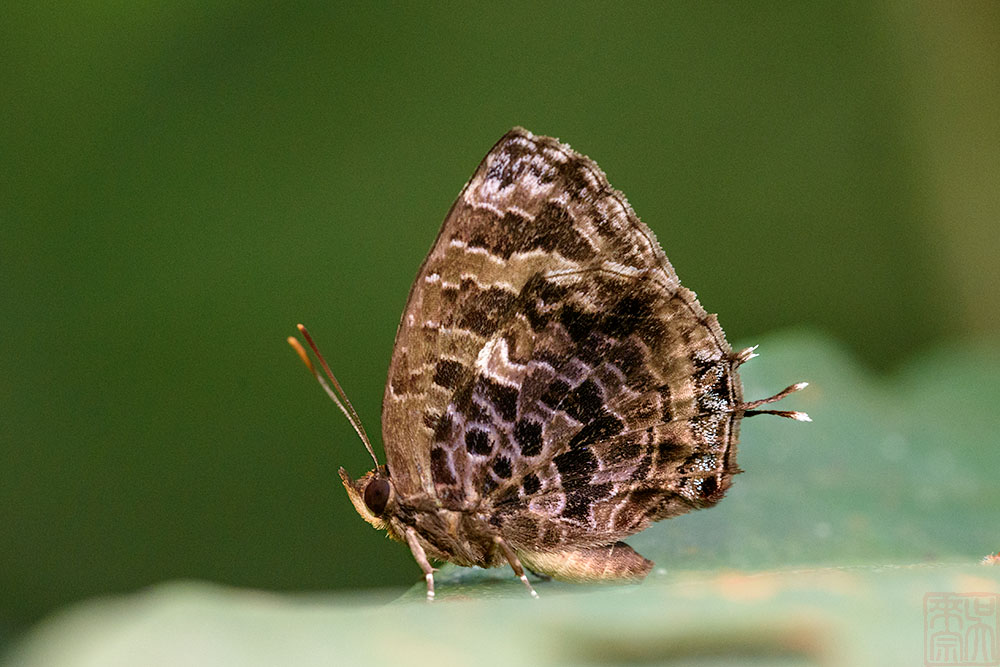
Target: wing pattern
{"points": [[549, 369]]}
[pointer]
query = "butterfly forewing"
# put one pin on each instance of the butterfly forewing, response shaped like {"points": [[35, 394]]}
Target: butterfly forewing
{"points": [[549, 369]]}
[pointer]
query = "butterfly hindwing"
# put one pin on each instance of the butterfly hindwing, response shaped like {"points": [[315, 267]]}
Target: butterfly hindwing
{"points": [[628, 399]]}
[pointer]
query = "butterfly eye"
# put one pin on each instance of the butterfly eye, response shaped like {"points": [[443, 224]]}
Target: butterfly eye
{"points": [[377, 495]]}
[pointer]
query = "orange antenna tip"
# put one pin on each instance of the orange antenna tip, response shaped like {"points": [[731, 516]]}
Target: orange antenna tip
{"points": [[297, 346], [336, 392]]}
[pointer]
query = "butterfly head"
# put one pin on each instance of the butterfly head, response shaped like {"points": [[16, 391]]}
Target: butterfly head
{"points": [[372, 495]]}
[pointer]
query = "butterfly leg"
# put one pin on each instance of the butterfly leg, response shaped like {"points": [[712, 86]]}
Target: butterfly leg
{"points": [[515, 563], [421, 558]]}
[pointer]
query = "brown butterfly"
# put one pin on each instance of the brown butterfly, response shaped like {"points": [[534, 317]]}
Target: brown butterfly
{"points": [[553, 387]]}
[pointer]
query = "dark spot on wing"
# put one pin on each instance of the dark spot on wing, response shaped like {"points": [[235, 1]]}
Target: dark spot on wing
{"points": [[478, 442], [502, 467], [578, 323], [528, 435], [449, 373], [557, 389], [503, 398], [575, 468], [578, 503], [531, 484], [488, 310], [585, 402]]}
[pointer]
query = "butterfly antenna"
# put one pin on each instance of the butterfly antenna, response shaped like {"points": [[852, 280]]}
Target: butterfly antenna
{"points": [[750, 411], [336, 393]]}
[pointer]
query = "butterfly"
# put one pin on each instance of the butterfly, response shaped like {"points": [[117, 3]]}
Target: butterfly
{"points": [[553, 388]]}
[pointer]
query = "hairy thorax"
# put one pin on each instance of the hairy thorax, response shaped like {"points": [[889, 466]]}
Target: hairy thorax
{"points": [[463, 537]]}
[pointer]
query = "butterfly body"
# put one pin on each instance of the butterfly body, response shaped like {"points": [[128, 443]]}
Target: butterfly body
{"points": [[553, 387], [468, 537], [462, 537]]}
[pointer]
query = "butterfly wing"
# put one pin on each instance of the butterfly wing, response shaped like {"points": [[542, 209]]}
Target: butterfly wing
{"points": [[636, 394], [546, 353]]}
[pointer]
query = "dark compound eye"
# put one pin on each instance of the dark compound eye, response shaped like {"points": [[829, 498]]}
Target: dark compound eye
{"points": [[377, 495]]}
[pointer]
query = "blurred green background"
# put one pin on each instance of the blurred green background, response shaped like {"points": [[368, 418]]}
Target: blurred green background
{"points": [[181, 183]]}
